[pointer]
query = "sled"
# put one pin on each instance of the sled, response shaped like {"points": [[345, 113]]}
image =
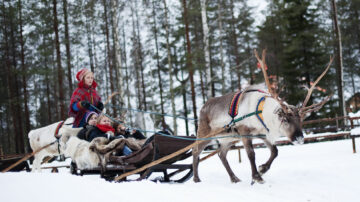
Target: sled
{"points": [[8, 160], [159, 147]]}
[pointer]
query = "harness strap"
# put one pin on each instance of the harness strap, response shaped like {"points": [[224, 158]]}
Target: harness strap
{"points": [[260, 107], [234, 105], [56, 134]]}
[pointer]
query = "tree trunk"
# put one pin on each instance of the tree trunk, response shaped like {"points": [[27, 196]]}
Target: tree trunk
{"points": [[58, 61], [24, 71], [163, 125], [10, 81], [183, 91], [339, 63], [117, 51], [208, 80], [189, 63], [141, 60], [128, 94], [67, 46], [15, 89], [135, 52], [236, 51], [89, 42], [112, 89], [222, 64], [172, 96]]}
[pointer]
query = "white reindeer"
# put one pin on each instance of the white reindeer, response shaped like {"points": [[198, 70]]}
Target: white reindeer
{"points": [[280, 119], [80, 151], [41, 137]]}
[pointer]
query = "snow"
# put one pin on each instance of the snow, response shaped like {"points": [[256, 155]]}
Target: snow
{"points": [[326, 171], [355, 131], [356, 114]]}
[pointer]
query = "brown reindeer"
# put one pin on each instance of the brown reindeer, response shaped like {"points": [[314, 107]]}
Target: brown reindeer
{"points": [[278, 119]]}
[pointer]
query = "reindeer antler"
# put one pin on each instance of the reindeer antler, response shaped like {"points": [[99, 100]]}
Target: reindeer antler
{"points": [[262, 65], [317, 81], [315, 107], [267, 82]]}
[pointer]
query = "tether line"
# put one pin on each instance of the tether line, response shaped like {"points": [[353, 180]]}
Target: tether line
{"points": [[149, 112]]}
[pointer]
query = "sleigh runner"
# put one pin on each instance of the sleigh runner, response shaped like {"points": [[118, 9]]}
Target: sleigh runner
{"points": [[159, 147]]}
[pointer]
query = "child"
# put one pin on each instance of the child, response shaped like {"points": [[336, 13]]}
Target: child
{"points": [[103, 128], [121, 130], [83, 97], [90, 119]]}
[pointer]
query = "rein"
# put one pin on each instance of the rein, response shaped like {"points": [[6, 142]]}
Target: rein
{"points": [[210, 138]]}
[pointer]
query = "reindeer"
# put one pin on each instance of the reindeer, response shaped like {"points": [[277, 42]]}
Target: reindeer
{"points": [[278, 119]]}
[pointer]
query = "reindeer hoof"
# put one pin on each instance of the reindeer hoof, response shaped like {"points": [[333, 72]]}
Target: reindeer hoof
{"points": [[235, 179], [196, 179], [257, 178], [263, 169]]}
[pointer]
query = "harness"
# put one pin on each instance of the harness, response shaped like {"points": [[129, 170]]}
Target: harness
{"points": [[56, 134], [260, 107], [234, 107]]}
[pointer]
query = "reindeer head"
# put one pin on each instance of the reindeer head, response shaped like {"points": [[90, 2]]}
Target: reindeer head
{"points": [[289, 117]]}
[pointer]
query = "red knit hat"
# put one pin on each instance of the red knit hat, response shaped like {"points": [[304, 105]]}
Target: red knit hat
{"points": [[81, 74]]}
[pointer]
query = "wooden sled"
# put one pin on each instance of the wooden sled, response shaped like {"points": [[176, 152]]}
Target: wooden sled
{"points": [[159, 147], [8, 160]]}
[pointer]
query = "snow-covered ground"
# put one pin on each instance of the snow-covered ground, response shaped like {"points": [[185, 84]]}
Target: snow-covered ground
{"points": [[327, 171]]}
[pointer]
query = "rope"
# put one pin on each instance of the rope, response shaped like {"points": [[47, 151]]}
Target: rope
{"points": [[209, 138], [150, 112], [184, 138]]}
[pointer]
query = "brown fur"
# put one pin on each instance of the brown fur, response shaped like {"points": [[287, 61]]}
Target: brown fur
{"points": [[104, 148]]}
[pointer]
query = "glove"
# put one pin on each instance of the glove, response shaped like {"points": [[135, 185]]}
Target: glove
{"points": [[85, 104], [100, 106]]}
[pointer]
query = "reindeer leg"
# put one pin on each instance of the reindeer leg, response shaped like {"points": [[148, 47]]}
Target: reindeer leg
{"points": [[274, 153], [256, 177], [196, 152], [222, 154], [36, 165]]}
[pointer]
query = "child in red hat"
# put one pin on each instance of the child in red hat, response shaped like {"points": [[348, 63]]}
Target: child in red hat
{"points": [[84, 98]]}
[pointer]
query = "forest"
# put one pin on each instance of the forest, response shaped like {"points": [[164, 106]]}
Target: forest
{"points": [[169, 57]]}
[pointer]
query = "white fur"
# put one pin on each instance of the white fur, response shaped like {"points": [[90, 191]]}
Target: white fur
{"points": [[78, 150], [41, 137]]}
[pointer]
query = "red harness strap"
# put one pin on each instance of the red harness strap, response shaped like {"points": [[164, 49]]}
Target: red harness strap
{"points": [[56, 134], [234, 105]]}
